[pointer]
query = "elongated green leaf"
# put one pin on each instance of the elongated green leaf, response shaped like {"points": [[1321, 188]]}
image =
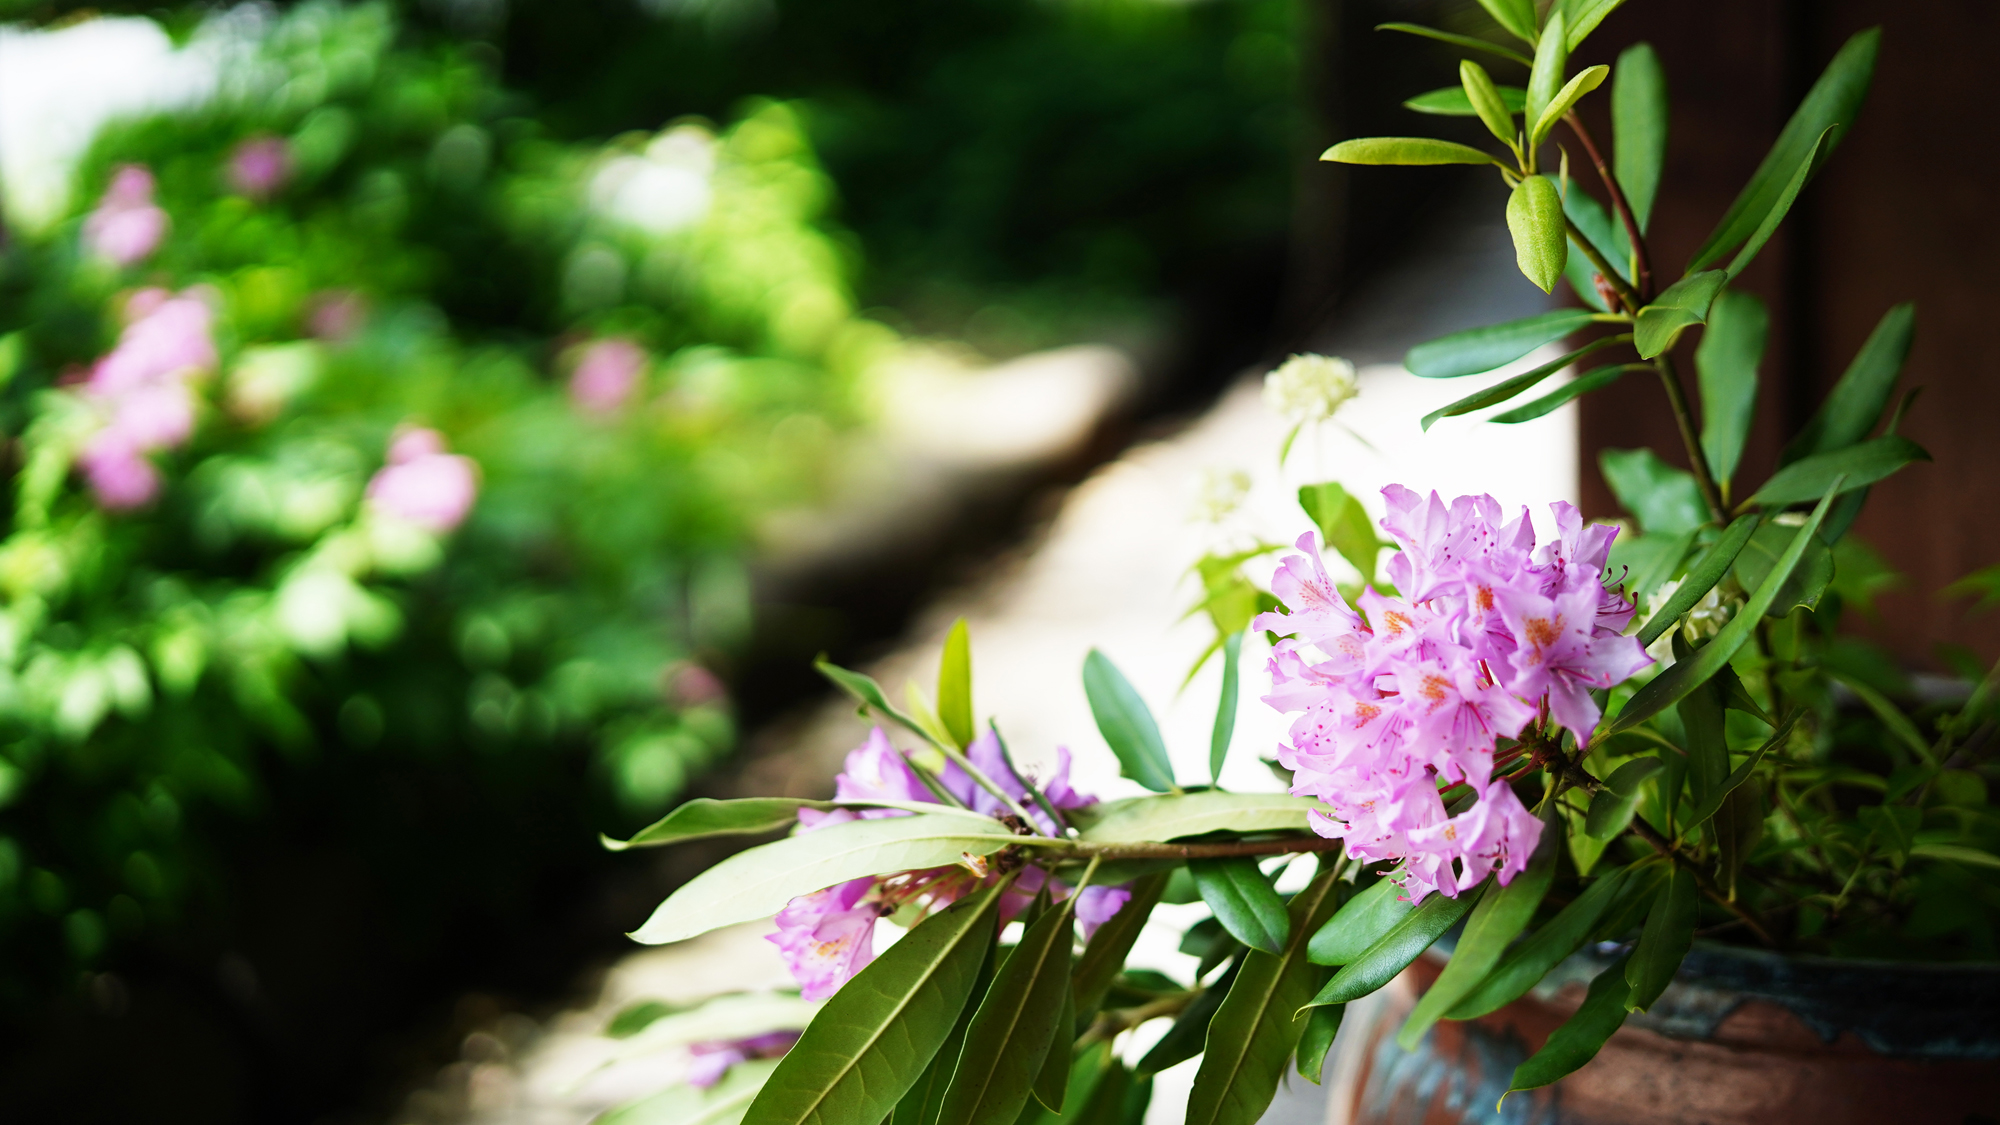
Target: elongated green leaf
{"points": [[1551, 60], [703, 817], [1243, 900], [1726, 367], [874, 1038], [1465, 41], [1485, 100], [1394, 951], [1683, 305], [1701, 577], [1664, 499], [1957, 853], [1052, 1081], [1493, 925], [1858, 466], [1107, 949], [1707, 807], [1086, 1075], [954, 692], [1581, 1036], [721, 1104], [1516, 16], [1508, 388], [1808, 581], [1707, 750], [1404, 150], [1126, 724], [1782, 206], [759, 882], [1611, 807], [1668, 936], [1010, 1033], [1645, 561], [923, 1104], [1224, 730], [1595, 379], [1343, 525], [1185, 1038], [1261, 1021], [1483, 349], [1583, 17], [1639, 128], [1322, 1026], [865, 689], [1856, 402], [1566, 98], [1589, 219], [1832, 103], [1543, 950], [1132, 820], [1361, 922], [1451, 101], [1541, 238]]}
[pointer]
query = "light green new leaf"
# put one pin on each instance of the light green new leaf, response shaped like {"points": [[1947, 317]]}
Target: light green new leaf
{"points": [[1485, 100], [1808, 581], [1701, 577], [1860, 465], [1104, 955], [1482, 349], [954, 692], [1543, 950], [1683, 305], [1668, 936], [704, 817], [1343, 525], [865, 689], [1261, 1021], [1639, 128], [1665, 500], [1322, 1027], [1541, 237], [1551, 60], [1451, 101], [1010, 1033], [1516, 16], [1583, 16], [1131, 820], [759, 882], [1595, 379], [1224, 730], [721, 1104], [1583, 83], [1856, 402], [1465, 41], [1404, 150], [1611, 807], [874, 1038], [1725, 364], [1581, 1036], [1832, 103], [1360, 923], [1126, 724], [1508, 388], [1243, 900], [1394, 951]]}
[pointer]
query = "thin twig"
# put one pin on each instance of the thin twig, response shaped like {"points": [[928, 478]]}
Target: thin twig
{"points": [[1643, 264], [1611, 276], [1670, 381]]}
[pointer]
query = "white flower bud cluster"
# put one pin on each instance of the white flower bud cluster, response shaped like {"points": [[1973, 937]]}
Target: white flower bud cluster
{"points": [[1310, 388]]}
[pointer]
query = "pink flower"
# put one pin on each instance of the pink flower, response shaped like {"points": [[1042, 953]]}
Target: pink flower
{"points": [[1098, 905], [142, 390], [876, 771], [713, 1058], [260, 166], [606, 374], [336, 315], [126, 227], [168, 339], [120, 475], [424, 485], [828, 936], [1564, 654]]}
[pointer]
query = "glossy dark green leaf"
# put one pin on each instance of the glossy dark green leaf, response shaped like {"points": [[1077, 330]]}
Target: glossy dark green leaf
{"points": [[1726, 367], [1104, 954], [1508, 388], [1832, 103], [1243, 900], [1010, 1033], [1496, 345], [1683, 305], [1583, 16], [1603, 231], [1782, 206], [1668, 936], [1701, 577], [1516, 16], [1739, 825], [1583, 82], [1701, 718], [1401, 945], [924, 1101], [954, 690], [1664, 499], [1404, 150], [1184, 1040], [1360, 922], [1707, 807], [1451, 101], [1611, 807], [1343, 525], [1126, 724], [1261, 1021], [1545, 78], [703, 817], [1546, 948], [873, 1039], [1808, 581], [1087, 1073], [1541, 238], [1322, 1027], [1857, 401], [1595, 379], [1860, 465], [1052, 1081], [1465, 41], [1581, 1036], [1224, 730], [1639, 128]]}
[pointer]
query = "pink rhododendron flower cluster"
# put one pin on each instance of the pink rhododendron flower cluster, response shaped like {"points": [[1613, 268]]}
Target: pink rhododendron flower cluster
{"points": [[126, 227], [1489, 637], [606, 374], [260, 166], [424, 485], [713, 1058], [143, 388], [828, 936]]}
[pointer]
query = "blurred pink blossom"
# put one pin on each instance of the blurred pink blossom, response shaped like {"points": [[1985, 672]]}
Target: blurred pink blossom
{"points": [[423, 484], [606, 374], [126, 227], [260, 166], [337, 314], [713, 1058], [142, 388]]}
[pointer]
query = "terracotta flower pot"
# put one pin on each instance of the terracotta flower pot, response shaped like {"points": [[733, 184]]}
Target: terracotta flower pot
{"points": [[1740, 1038]]}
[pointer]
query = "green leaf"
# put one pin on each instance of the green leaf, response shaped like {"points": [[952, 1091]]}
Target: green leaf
{"points": [[1361, 921], [1508, 388], [1261, 1021], [704, 817], [1343, 525], [1581, 1036], [1087, 1074], [1832, 103], [1860, 465], [1483, 98], [1782, 207], [1051, 1087], [1894, 827], [1243, 900], [874, 1038], [1856, 403], [1394, 951], [923, 1103], [1516, 16], [759, 882], [1224, 730], [865, 689], [1701, 577], [1551, 59], [1451, 101], [1664, 500], [1611, 807], [1645, 561], [1404, 150], [1543, 950], [1808, 581], [1009, 1035], [1126, 724], [1957, 853], [1594, 380], [1132, 820], [1583, 83], [1726, 366], [954, 691], [1707, 808], [1493, 925], [1496, 345], [1683, 305], [1184, 1039], [1639, 128], [1322, 1026], [1465, 41], [1541, 238], [1584, 16], [1668, 936], [1107, 949], [721, 1104], [1701, 718]]}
